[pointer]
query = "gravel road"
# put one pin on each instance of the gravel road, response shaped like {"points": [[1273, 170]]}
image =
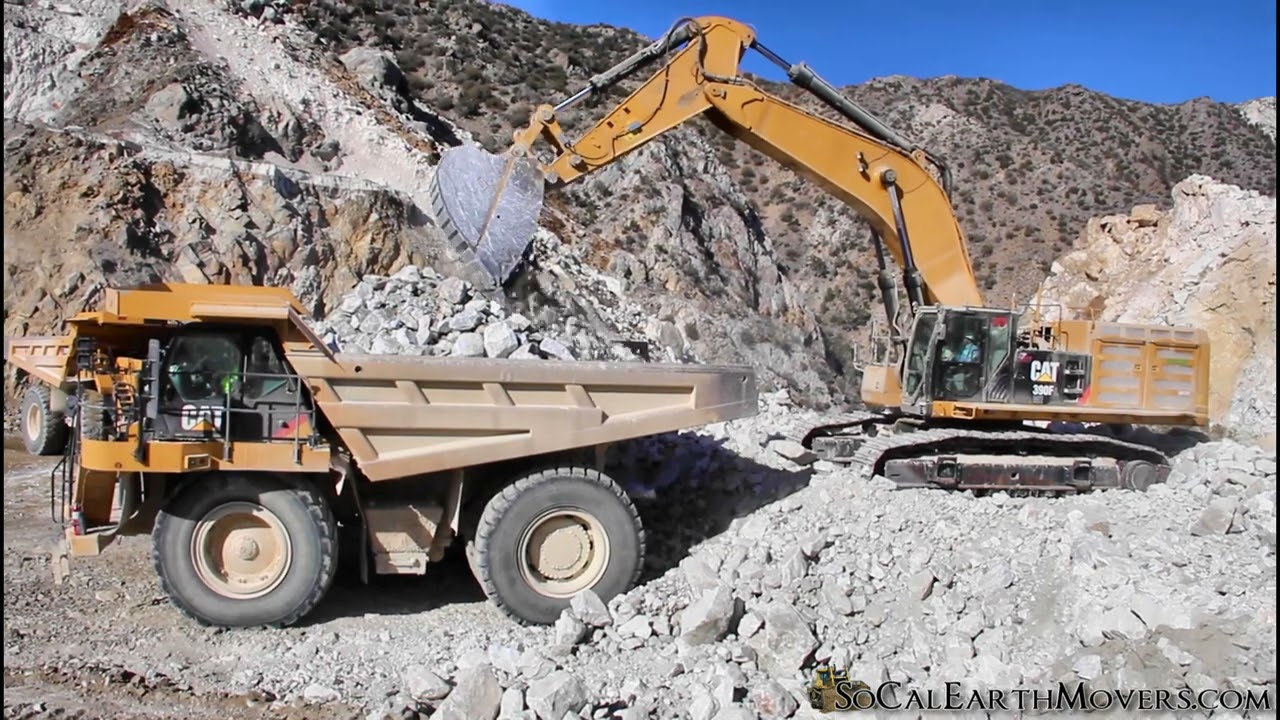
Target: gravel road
{"points": [[763, 564]]}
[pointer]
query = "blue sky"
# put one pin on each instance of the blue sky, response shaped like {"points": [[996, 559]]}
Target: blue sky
{"points": [[1163, 52]]}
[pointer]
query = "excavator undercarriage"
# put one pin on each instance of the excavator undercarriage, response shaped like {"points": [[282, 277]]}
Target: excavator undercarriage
{"points": [[1005, 457]]}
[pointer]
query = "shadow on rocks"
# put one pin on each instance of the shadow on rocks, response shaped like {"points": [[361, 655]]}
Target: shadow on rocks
{"points": [[445, 583], [1170, 441], [689, 487]]}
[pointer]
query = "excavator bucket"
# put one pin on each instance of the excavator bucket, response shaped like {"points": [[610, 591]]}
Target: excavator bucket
{"points": [[488, 206]]}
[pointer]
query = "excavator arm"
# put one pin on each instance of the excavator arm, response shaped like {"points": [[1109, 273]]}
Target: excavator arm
{"points": [[869, 167]]}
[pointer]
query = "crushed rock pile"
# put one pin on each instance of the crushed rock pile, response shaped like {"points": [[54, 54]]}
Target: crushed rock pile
{"points": [[1171, 588], [1209, 262], [416, 311]]}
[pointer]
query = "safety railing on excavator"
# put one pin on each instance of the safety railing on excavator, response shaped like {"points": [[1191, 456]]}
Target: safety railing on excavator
{"points": [[1036, 313], [1052, 311]]}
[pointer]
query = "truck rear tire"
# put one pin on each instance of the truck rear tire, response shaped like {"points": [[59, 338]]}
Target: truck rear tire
{"points": [[44, 431], [245, 550], [552, 534]]}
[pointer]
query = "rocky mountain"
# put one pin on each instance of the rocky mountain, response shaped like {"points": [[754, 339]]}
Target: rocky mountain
{"points": [[1261, 112], [292, 144]]}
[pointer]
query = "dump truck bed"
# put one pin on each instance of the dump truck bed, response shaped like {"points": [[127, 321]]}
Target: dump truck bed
{"points": [[43, 357], [405, 415]]}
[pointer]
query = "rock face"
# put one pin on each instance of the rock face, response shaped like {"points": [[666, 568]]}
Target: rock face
{"points": [[83, 212], [44, 45], [682, 233], [1209, 262], [1261, 112], [219, 143]]}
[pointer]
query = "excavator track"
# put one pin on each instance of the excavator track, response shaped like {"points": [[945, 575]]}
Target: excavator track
{"points": [[1026, 461], [798, 430]]}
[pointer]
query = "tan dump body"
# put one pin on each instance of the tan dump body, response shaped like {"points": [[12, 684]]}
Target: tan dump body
{"points": [[403, 416], [43, 357]]}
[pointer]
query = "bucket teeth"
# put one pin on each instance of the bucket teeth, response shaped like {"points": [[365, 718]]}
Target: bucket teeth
{"points": [[487, 205]]}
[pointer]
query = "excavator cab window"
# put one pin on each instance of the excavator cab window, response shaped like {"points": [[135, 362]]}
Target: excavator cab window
{"points": [[960, 369], [999, 344], [917, 354]]}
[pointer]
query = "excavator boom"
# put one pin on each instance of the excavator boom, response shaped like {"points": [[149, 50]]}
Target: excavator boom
{"points": [[869, 166]]}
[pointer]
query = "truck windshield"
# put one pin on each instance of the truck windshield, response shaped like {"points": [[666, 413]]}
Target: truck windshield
{"points": [[203, 367], [263, 365]]}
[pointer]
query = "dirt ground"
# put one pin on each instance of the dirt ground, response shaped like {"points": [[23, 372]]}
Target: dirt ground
{"points": [[106, 643]]}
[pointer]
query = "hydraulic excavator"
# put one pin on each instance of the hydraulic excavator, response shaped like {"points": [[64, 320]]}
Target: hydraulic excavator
{"points": [[966, 396]]}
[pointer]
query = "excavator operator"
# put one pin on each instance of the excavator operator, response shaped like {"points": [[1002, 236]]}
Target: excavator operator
{"points": [[962, 358], [969, 351]]}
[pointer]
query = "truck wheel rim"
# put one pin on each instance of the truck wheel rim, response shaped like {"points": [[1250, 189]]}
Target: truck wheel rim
{"points": [[563, 552], [32, 425], [241, 550]]}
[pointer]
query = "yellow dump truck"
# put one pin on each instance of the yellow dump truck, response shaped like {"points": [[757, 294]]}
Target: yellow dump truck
{"points": [[215, 419]]}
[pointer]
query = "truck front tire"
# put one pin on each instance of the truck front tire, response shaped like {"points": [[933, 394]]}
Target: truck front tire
{"points": [[552, 534], [245, 550], [44, 430]]}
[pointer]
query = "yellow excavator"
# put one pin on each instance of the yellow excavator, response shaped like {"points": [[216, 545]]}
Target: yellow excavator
{"points": [[967, 396]]}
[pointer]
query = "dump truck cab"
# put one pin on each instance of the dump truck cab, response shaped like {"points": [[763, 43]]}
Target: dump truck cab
{"points": [[231, 380], [215, 419]]}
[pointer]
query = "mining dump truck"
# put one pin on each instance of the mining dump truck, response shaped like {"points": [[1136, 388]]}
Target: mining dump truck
{"points": [[215, 419]]}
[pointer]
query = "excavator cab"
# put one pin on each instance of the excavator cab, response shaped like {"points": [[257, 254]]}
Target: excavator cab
{"points": [[958, 355], [982, 355]]}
